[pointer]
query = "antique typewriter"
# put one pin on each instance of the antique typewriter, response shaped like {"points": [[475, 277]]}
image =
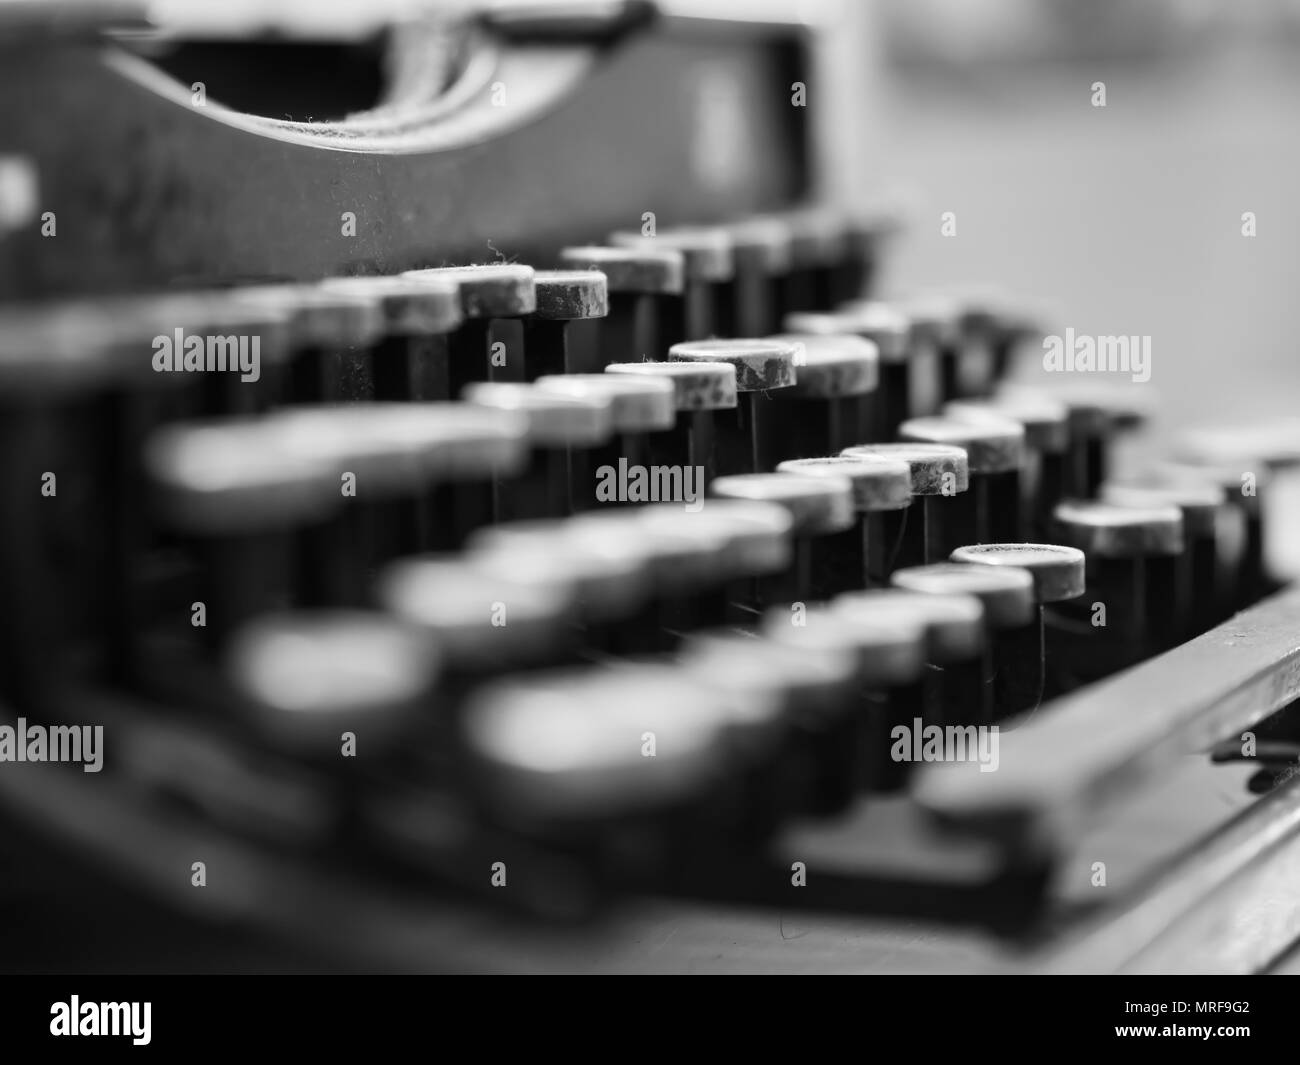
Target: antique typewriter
{"points": [[467, 506]]}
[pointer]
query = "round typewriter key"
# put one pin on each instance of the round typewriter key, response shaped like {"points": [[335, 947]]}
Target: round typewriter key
{"points": [[867, 232], [822, 413], [881, 410], [1132, 608], [990, 511], [639, 281], [857, 557], [558, 426], [498, 291], [238, 490], [761, 366], [1244, 578], [819, 506], [309, 676], [939, 472], [814, 769], [1047, 441], [708, 262], [763, 255], [701, 389], [331, 333], [819, 245], [563, 296], [1012, 678], [410, 359], [620, 472], [1199, 594], [479, 620], [939, 354]]}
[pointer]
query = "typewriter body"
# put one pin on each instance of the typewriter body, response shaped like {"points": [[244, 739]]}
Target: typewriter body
{"points": [[399, 430]]}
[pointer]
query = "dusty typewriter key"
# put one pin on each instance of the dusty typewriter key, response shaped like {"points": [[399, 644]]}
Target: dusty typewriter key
{"points": [[881, 410], [820, 507], [702, 389], [611, 576], [1022, 675], [708, 266], [890, 649], [620, 471], [1014, 660], [761, 367], [990, 511], [1132, 609], [498, 291], [1203, 508], [331, 333], [563, 296], [823, 413], [478, 620], [939, 473], [238, 491], [939, 355], [858, 557], [815, 770], [748, 305], [639, 282], [409, 361], [558, 426], [1047, 441], [307, 677]]}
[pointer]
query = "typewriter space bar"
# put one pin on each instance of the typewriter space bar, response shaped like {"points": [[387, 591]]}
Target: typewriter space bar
{"points": [[1079, 752]]}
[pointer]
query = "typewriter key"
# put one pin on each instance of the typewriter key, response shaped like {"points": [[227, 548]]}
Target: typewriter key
{"points": [[1199, 594], [990, 511], [859, 556], [939, 472], [701, 389], [941, 360], [330, 334], [619, 472], [820, 245], [880, 411], [1047, 440], [822, 413], [409, 361], [761, 366], [708, 264], [1132, 608], [638, 282], [486, 293], [1013, 677], [563, 296], [310, 676], [763, 255], [820, 507], [558, 425], [479, 620]]}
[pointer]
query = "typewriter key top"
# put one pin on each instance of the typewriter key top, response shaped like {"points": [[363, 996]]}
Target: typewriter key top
{"points": [[558, 425], [1203, 506], [708, 263], [763, 255], [1275, 443], [563, 296], [990, 511], [310, 676], [486, 292], [410, 360], [641, 282], [1047, 441], [889, 330], [1012, 675], [939, 472], [941, 360], [1132, 575], [859, 556], [701, 389], [828, 408], [820, 245], [761, 366], [477, 619], [1058, 572]]}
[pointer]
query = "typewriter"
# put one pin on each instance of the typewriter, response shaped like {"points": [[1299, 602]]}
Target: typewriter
{"points": [[468, 506]]}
